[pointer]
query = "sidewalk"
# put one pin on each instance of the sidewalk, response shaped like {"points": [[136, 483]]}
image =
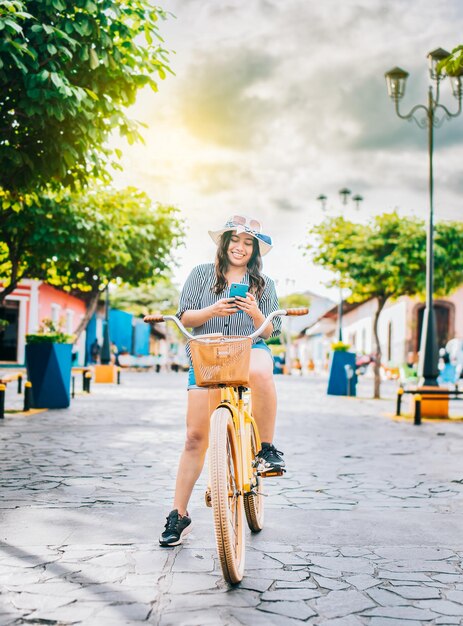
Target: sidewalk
{"points": [[365, 528]]}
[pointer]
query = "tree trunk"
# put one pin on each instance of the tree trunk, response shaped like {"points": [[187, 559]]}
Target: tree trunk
{"points": [[91, 308], [15, 279], [6, 292], [377, 365]]}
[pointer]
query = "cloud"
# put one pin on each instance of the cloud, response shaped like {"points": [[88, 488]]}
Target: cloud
{"points": [[213, 178], [220, 102], [288, 206]]}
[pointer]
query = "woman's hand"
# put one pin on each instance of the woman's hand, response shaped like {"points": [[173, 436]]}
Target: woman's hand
{"points": [[248, 305], [223, 307]]}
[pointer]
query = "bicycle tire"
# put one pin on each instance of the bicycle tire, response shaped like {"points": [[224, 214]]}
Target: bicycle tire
{"points": [[254, 501], [227, 502]]}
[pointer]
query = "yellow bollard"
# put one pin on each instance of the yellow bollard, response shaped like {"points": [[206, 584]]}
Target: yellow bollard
{"points": [[2, 400], [400, 393], [27, 396]]}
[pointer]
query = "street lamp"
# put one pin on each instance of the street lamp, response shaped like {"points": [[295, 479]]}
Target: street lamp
{"points": [[357, 199], [344, 193], [396, 80], [322, 199], [106, 347]]}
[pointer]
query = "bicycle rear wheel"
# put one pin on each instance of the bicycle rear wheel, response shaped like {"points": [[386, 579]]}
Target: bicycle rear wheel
{"points": [[226, 497], [254, 500]]}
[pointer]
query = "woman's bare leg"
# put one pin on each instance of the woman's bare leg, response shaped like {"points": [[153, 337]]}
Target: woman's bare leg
{"points": [[264, 397], [199, 409]]}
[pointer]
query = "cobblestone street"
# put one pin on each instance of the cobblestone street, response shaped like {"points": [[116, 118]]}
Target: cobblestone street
{"points": [[364, 529]]}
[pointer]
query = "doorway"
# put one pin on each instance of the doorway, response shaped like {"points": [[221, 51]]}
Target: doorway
{"points": [[9, 312], [444, 312]]}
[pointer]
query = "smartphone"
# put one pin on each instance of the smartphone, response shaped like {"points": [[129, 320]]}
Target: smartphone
{"points": [[238, 289]]}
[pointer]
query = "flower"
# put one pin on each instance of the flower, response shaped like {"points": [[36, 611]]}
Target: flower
{"points": [[49, 332], [340, 346]]}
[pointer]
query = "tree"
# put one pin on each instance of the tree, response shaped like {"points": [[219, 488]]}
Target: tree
{"points": [[294, 300], [386, 258], [32, 236], [146, 298], [121, 238], [85, 241], [68, 70], [453, 65]]}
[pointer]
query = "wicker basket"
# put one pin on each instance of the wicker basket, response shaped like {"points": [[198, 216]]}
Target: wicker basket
{"points": [[221, 361]]}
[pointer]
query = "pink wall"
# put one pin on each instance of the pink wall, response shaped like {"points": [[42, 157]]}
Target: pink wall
{"points": [[49, 295]]}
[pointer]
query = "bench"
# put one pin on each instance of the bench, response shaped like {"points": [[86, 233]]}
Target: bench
{"points": [[427, 394]]}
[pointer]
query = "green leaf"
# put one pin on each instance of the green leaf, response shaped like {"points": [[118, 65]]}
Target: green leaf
{"points": [[92, 94], [56, 80], [13, 25], [148, 36], [94, 62]]}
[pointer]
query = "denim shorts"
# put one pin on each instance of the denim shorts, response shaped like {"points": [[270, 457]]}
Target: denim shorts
{"points": [[260, 345]]}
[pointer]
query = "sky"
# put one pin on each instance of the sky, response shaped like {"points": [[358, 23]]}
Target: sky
{"points": [[276, 102]]}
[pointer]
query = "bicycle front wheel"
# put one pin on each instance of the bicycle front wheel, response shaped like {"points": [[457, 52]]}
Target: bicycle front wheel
{"points": [[226, 495], [254, 500]]}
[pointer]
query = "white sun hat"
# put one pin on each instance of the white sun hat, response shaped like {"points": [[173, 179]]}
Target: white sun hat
{"points": [[242, 224]]}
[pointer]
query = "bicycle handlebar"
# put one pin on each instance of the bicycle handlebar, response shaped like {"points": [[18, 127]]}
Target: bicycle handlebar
{"points": [[156, 318], [300, 311]]}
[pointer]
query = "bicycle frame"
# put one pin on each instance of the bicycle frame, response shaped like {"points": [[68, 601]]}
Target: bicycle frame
{"points": [[233, 399]]}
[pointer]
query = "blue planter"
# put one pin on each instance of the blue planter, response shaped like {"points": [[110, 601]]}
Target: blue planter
{"points": [[342, 365], [49, 370]]}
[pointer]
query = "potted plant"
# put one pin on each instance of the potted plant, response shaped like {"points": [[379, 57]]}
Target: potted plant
{"points": [[49, 364], [342, 380], [3, 324]]}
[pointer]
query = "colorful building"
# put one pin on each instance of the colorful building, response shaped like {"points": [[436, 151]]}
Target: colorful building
{"points": [[399, 328], [26, 307], [34, 301]]}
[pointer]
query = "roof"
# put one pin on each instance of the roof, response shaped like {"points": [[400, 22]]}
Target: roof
{"points": [[330, 314]]}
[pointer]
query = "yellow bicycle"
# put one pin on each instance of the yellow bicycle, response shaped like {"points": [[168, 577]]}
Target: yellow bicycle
{"points": [[234, 478]]}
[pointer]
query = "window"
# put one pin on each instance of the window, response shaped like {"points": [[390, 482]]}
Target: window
{"points": [[55, 313], [69, 321], [363, 347]]}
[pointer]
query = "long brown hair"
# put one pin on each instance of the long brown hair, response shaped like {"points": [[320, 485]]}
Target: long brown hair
{"points": [[256, 281]]}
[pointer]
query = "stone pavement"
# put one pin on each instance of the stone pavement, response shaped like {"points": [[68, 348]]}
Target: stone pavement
{"points": [[365, 528]]}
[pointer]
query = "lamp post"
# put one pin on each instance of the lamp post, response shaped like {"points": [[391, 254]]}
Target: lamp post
{"points": [[344, 193], [357, 199], [396, 80], [322, 199], [106, 347]]}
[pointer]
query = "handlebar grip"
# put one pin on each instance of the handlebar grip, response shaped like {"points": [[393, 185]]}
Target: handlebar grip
{"points": [[300, 311], [153, 319]]}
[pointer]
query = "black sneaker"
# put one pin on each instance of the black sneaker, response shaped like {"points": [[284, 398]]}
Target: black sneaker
{"points": [[177, 526], [270, 461]]}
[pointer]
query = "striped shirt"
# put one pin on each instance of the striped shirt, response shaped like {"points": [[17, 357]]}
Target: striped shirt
{"points": [[197, 293]]}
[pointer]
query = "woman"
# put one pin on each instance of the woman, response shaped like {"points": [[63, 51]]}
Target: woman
{"points": [[205, 307]]}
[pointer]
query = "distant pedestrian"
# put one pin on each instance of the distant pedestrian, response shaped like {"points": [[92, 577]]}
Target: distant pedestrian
{"points": [[95, 350], [114, 354]]}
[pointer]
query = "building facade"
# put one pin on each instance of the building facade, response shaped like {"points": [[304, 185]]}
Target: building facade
{"points": [[399, 328], [26, 307]]}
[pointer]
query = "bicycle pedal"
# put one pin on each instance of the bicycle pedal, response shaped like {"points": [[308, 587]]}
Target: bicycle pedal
{"points": [[270, 473]]}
